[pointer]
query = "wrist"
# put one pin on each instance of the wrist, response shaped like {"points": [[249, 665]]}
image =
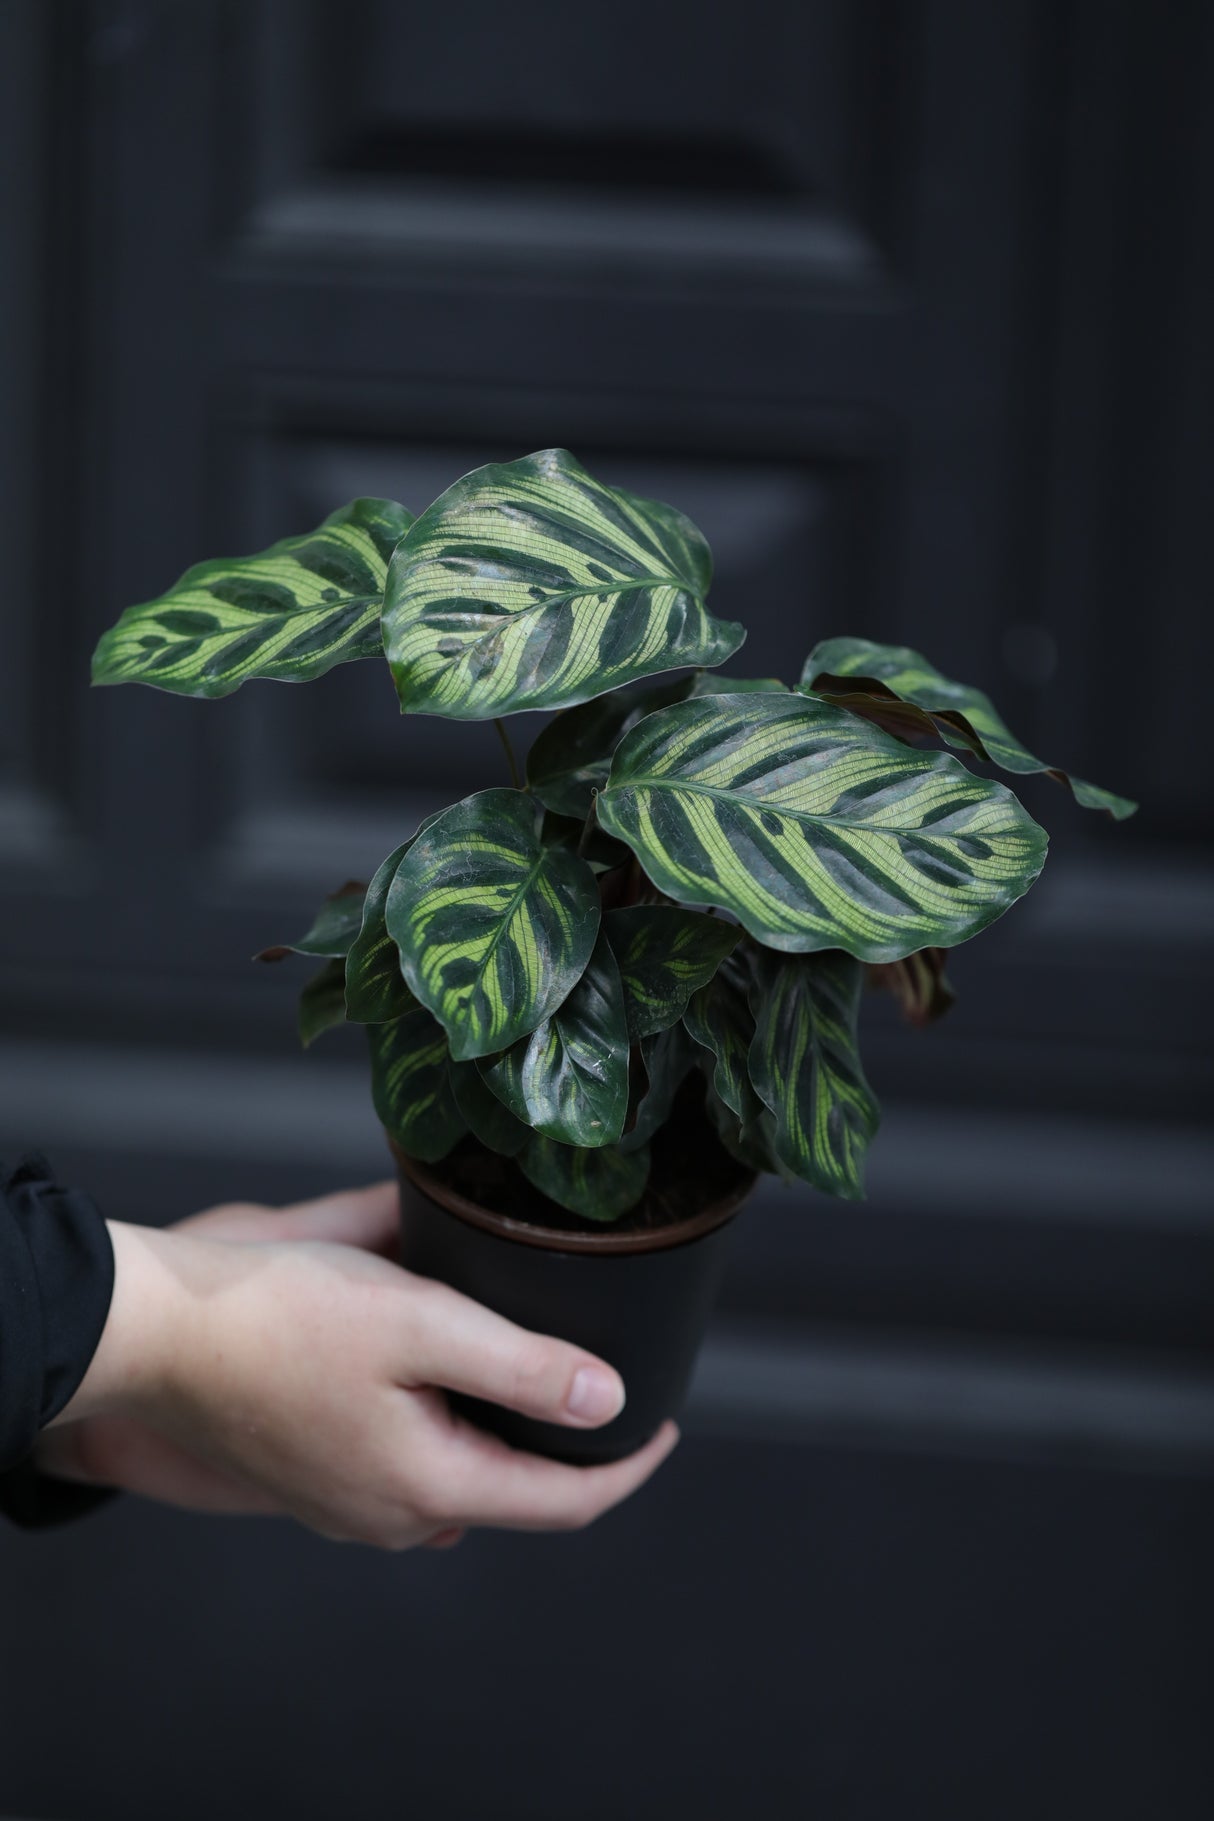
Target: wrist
{"points": [[138, 1358]]}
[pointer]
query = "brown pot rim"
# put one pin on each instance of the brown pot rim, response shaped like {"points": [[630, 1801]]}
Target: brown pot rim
{"points": [[605, 1243]]}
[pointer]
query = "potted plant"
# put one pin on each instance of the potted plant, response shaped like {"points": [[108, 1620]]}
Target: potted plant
{"points": [[602, 998]]}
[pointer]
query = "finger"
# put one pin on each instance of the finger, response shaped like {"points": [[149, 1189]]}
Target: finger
{"points": [[368, 1218], [445, 1539], [457, 1344], [489, 1483], [245, 1222]]}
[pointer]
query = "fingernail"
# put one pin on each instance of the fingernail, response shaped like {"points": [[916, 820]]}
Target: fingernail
{"points": [[594, 1396]]}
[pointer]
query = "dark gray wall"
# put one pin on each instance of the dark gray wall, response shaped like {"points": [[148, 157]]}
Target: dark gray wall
{"points": [[907, 305]]}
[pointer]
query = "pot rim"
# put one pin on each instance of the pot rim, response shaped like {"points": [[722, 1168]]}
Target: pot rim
{"points": [[604, 1243]]}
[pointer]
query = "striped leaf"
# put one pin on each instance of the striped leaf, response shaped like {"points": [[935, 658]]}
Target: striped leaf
{"points": [[864, 676], [815, 829], [333, 928], [569, 1078], [666, 1061], [529, 584], [750, 1143], [665, 954], [411, 1085], [805, 1064], [487, 1119], [571, 758], [322, 1004], [494, 929], [599, 1185], [375, 985], [720, 1019], [292, 612]]}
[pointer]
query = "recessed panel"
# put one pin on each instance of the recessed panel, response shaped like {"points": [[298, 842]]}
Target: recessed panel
{"points": [[756, 140]]}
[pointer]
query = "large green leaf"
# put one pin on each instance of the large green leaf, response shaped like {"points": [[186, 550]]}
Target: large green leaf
{"points": [[493, 927], [375, 987], [750, 1142], [322, 1004], [816, 829], [666, 1061], [851, 670], [599, 1185], [490, 1121], [569, 1078], [720, 1019], [529, 584], [805, 1065], [411, 1085], [332, 930], [571, 758], [665, 954], [291, 612]]}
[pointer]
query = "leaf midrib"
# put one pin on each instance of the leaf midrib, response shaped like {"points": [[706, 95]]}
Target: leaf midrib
{"points": [[517, 899], [768, 808]]}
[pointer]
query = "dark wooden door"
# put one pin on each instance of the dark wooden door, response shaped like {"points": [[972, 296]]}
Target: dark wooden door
{"points": [[907, 305]]}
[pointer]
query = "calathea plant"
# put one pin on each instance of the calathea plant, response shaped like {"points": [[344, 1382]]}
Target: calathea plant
{"points": [[678, 902]]}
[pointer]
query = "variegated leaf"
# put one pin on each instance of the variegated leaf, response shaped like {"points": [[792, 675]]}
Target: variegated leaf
{"points": [[850, 670], [805, 1065], [569, 1078], [333, 928], [571, 758], [292, 612], [815, 829], [411, 1085], [375, 986], [493, 928], [529, 584], [322, 1004], [751, 1143], [720, 1019], [488, 1119], [666, 1059], [599, 1185], [665, 954]]}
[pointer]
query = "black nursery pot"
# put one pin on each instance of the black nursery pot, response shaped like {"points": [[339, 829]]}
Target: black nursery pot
{"points": [[638, 1299]]}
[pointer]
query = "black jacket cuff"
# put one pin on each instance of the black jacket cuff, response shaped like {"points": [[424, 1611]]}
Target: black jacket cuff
{"points": [[56, 1282]]}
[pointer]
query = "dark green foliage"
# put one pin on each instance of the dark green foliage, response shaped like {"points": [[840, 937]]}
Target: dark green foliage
{"points": [[699, 872]]}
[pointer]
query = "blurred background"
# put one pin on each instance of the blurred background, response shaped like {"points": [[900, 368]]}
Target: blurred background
{"points": [[908, 305]]}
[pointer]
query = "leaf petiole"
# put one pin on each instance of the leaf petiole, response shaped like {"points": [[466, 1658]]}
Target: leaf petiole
{"points": [[504, 737], [588, 826]]}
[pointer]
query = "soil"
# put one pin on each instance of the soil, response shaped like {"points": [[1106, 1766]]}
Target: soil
{"points": [[690, 1169]]}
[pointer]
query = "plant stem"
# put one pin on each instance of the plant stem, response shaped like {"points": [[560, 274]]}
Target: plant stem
{"points": [[504, 737], [587, 827]]}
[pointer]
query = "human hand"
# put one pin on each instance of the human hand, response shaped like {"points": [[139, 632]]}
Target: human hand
{"points": [[113, 1448], [266, 1360]]}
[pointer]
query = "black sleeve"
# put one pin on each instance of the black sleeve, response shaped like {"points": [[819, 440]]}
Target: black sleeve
{"points": [[56, 1280]]}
